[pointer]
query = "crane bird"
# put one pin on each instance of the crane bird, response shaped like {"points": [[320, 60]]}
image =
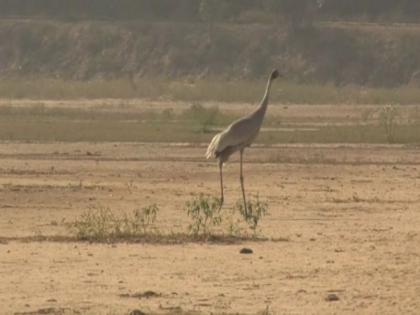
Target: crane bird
{"points": [[237, 136]]}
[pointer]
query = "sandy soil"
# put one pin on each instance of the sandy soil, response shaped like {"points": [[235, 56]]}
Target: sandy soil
{"points": [[350, 215]]}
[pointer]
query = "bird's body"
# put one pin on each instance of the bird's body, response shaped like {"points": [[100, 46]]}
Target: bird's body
{"points": [[239, 135]]}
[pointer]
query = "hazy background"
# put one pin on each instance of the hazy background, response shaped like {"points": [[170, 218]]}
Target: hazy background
{"points": [[373, 43]]}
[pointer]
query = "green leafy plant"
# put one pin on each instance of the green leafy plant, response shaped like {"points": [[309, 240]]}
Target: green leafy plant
{"points": [[256, 209], [204, 212]]}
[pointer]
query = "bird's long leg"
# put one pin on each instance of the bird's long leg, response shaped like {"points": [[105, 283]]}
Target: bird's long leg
{"points": [[242, 185], [221, 183]]}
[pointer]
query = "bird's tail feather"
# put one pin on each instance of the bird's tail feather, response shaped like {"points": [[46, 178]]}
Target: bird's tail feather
{"points": [[211, 150]]}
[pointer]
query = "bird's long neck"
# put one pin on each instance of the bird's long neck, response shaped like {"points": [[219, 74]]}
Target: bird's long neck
{"points": [[264, 101]]}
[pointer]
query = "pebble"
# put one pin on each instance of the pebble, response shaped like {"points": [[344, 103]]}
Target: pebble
{"points": [[332, 297], [246, 250]]}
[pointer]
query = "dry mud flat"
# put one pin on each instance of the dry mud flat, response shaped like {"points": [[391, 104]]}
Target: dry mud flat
{"points": [[348, 216]]}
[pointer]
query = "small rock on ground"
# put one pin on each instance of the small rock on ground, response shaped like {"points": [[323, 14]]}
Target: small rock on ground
{"points": [[332, 297], [246, 250], [147, 294]]}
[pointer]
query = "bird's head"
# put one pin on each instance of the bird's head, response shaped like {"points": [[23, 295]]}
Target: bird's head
{"points": [[274, 74]]}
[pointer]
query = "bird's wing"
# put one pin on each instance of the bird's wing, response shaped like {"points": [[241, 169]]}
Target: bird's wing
{"points": [[239, 132]]}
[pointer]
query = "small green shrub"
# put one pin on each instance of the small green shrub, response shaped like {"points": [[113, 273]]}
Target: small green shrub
{"points": [[101, 224], [205, 213], [95, 224], [256, 209]]}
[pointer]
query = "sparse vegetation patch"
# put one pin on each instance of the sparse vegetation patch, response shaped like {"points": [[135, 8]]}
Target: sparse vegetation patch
{"points": [[101, 224], [205, 214], [256, 210]]}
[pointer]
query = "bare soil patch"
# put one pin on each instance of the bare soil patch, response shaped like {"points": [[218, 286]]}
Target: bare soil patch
{"points": [[349, 214]]}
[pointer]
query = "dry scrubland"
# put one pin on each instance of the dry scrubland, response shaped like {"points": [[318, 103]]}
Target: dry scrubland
{"points": [[65, 52], [343, 218]]}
